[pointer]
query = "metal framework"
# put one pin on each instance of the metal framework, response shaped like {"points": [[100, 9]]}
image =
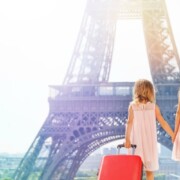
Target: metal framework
{"points": [[87, 111]]}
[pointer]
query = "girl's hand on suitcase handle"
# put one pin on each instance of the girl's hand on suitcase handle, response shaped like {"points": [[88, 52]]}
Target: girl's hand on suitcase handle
{"points": [[133, 146], [127, 144], [124, 145]]}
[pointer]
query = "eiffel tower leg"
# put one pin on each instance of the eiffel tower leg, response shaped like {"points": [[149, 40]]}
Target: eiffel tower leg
{"points": [[162, 53], [26, 165]]}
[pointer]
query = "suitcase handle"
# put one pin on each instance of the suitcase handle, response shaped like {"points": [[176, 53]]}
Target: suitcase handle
{"points": [[122, 145], [133, 146]]}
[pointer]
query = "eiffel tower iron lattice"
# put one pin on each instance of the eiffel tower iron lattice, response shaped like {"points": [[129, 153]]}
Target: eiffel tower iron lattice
{"points": [[87, 111]]}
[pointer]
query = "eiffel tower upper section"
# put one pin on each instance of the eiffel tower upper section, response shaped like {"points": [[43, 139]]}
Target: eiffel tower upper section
{"points": [[92, 57]]}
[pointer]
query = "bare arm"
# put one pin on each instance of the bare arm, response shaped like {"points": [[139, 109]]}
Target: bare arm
{"points": [[129, 127], [177, 120], [163, 123]]}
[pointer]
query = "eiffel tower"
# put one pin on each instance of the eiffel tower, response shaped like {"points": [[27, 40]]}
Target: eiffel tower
{"points": [[87, 111]]}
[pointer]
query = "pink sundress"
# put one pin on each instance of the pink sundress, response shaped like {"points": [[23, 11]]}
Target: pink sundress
{"points": [[144, 134]]}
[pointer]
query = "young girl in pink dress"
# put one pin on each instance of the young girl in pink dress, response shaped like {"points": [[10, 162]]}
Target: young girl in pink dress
{"points": [[176, 144], [141, 126]]}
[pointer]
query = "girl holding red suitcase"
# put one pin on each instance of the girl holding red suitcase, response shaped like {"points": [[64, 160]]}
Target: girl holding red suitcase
{"points": [[141, 126], [176, 144]]}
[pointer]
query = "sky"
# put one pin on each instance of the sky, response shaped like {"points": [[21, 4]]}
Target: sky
{"points": [[37, 39]]}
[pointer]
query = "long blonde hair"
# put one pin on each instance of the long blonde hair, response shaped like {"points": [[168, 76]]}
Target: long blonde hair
{"points": [[143, 91]]}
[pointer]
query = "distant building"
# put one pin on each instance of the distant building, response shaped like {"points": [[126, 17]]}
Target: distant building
{"points": [[108, 151]]}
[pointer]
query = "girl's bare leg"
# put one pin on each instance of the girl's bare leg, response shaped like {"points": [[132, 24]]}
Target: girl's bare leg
{"points": [[149, 175]]}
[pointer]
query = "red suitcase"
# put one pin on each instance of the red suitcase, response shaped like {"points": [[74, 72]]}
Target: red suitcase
{"points": [[121, 167]]}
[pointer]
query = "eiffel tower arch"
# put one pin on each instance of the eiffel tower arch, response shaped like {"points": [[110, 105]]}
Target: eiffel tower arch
{"points": [[88, 111]]}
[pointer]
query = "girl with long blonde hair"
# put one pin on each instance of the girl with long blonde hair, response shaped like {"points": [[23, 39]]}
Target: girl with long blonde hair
{"points": [[141, 125]]}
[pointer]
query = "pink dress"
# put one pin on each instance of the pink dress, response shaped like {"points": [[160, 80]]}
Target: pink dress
{"points": [[176, 147], [144, 135]]}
